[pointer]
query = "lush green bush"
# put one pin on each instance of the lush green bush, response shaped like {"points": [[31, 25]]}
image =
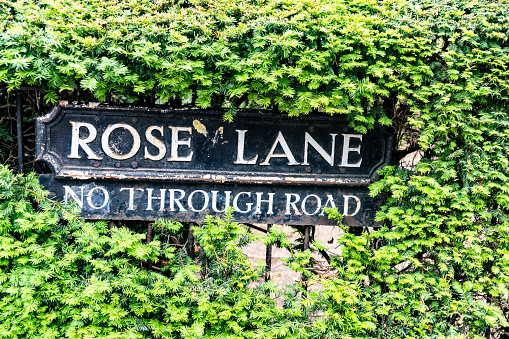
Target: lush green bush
{"points": [[61, 277], [356, 58], [77, 279], [436, 71]]}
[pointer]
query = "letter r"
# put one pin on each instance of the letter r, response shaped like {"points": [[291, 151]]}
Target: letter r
{"points": [[76, 141]]}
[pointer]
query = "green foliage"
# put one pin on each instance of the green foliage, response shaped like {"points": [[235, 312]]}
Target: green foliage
{"points": [[77, 279], [438, 265], [435, 71], [61, 277], [446, 226], [299, 56]]}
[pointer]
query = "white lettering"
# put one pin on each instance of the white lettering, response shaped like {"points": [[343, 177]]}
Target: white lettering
{"points": [[288, 154], [226, 204], [106, 197], [290, 203], [156, 142], [131, 196], [205, 203], [330, 200], [174, 200], [76, 141], [259, 202], [236, 201], [357, 200], [70, 192], [318, 204], [105, 140], [161, 198], [240, 150], [175, 143], [347, 149], [308, 140]]}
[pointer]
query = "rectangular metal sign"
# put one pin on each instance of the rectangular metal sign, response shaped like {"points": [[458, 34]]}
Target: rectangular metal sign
{"points": [[181, 163], [260, 203]]}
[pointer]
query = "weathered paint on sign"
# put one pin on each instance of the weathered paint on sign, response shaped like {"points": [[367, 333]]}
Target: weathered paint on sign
{"points": [[193, 153], [275, 204]]}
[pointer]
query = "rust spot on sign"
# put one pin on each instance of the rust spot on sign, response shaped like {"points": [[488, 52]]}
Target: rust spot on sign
{"points": [[199, 127]]}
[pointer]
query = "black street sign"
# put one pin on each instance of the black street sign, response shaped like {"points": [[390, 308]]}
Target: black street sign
{"points": [[287, 169]]}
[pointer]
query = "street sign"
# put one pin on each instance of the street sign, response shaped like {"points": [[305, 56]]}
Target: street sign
{"points": [[128, 162]]}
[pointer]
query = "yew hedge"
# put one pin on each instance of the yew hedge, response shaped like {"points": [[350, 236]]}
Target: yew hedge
{"points": [[436, 71]]}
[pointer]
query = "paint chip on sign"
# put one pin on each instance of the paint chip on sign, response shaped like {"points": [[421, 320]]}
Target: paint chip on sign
{"points": [[199, 127]]}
